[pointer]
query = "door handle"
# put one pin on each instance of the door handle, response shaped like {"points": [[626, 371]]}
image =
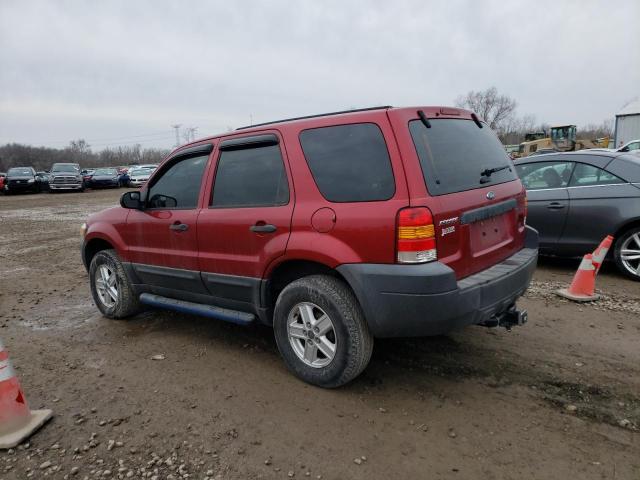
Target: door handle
{"points": [[263, 228], [179, 227], [555, 206]]}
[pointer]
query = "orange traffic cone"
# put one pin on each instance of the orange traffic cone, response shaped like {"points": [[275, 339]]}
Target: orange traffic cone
{"points": [[583, 286], [601, 252], [17, 422]]}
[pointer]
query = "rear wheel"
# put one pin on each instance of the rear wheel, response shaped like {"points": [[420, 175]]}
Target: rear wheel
{"points": [[321, 332], [110, 286], [627, 253]]}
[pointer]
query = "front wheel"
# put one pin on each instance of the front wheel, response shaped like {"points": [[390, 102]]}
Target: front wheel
{"points": [[110, 286], [626, 253], [321, 331]]}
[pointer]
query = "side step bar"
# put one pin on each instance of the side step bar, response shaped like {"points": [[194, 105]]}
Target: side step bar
{"points": [[201, 309]]}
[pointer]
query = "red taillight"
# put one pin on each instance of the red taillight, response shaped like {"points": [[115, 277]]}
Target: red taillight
{"points": [[522, 210], [416, 239]]}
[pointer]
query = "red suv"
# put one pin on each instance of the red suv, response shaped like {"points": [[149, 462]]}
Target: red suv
{"points": [[334, 229]]}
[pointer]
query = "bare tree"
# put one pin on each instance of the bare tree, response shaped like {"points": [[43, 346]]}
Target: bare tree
{"points": [[494, 108]]}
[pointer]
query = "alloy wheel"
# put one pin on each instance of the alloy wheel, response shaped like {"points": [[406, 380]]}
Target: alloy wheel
{"points": [[312, 334], [106, 285], [630, 254]]}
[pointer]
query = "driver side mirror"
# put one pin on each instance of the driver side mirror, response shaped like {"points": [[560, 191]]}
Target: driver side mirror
{"points": [[625, 149], [132, 200]]}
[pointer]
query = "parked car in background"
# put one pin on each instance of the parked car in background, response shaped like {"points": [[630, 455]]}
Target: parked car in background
{"points": [[578, 198], [43, 178], [334, 229], [630, 147], [104, 178], [124, 178], [3, 175], [86, 176], [21, 179], [65, 176], [139, 176]]}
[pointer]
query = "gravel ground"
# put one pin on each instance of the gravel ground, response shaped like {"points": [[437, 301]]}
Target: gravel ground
{"points": [[169, 396]]}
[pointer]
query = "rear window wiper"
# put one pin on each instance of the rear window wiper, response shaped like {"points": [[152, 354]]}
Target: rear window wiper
{"points": [[486, 173]]}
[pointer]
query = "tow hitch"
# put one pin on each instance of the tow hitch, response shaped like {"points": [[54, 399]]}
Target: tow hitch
{"points": [[508, 318]]}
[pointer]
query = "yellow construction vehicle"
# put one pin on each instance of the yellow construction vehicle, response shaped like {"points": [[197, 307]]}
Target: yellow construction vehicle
{"points": [[562, 139]]}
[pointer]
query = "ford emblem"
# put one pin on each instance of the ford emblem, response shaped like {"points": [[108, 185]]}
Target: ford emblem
{"points": [[491, 195]]}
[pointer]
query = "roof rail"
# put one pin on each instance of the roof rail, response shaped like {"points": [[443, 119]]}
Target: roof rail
{"points": [[382, 107]]}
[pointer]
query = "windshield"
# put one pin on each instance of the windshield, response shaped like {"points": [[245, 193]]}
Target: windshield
{"points": [[454, 153], [142, 171], [20, 171], [65, 168], [105, 171]]}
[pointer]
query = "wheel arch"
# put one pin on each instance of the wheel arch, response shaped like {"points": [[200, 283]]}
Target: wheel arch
{"points": [[625, 227], [290, 270], [93, 246]]}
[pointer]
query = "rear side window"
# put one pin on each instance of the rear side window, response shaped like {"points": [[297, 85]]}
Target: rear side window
{"points": [[454, 152], [179, 185], [250, 177], [588, 175], [349, 163]]}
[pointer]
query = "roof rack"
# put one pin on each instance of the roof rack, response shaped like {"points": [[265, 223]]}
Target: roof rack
{"points": [[382, 107]]}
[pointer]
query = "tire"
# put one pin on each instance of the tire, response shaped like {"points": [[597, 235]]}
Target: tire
{"points": [[629, 240], [353, 342], [126, 302]]}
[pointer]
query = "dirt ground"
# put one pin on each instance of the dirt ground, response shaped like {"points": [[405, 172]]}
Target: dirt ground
{"points": [[558, 398]]}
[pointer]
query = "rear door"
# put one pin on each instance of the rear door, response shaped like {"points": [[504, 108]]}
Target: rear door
{"points": [[247, 219], [469, 183], [548, 198], [162, 238]]}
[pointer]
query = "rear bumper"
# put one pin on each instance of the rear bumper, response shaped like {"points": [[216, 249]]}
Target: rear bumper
{"points": [[426, 299]]}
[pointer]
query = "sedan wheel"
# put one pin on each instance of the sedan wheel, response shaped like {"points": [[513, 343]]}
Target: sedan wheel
{"points": [[630, 253]]}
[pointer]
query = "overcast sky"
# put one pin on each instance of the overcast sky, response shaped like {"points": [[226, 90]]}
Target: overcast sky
{"points": [[120, 72]]}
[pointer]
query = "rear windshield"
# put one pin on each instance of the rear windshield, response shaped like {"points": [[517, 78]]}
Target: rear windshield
{"points": [[454, 152]]}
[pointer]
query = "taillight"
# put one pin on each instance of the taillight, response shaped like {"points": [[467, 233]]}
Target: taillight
{"points": [[416, 236], [522, 210]]}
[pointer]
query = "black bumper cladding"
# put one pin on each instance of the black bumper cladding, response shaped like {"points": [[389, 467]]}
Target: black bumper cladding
{"points": [[426, 299]]}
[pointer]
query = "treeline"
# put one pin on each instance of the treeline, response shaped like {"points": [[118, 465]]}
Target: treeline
{"points": [[78, 151], [500, 112]]}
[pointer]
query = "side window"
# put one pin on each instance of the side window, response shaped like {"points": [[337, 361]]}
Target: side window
{"points": [[250, 177], [536, 176], [585, 175], [634, 146], [179, 186], [349, 163]]}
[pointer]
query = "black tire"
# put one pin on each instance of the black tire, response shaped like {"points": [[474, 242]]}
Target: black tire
{"points": [[354, 342], [127, 303], [617, 252]]}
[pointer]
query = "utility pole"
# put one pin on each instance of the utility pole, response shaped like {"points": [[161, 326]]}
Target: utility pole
{"points": [[177, 128]]}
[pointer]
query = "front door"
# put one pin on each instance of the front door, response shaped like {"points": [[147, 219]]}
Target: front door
{"points": [[247, 221], [162, 238], [548, 198]]}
